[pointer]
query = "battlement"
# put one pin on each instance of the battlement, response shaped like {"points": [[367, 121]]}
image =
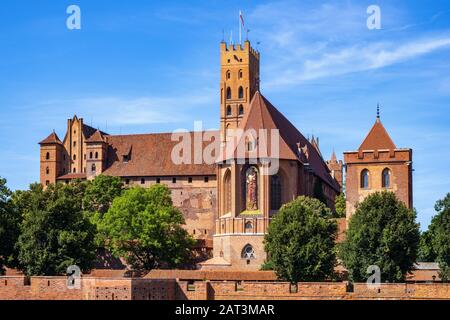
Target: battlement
{"points": [[246, 47]]}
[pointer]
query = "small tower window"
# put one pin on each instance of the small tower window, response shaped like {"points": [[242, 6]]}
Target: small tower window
{"points": [[228, 93], [47, 170], [47, 156], [229, 113], [74, 157], [228, 75], [248, 227], [241, 93], [93, 168], [365, 179], [74, 144], [74, 170], [90, 155], [241, 110], [96, 155], [240, 74], [386, 178]]}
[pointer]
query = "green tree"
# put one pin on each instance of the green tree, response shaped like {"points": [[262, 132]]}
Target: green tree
{"points": [[54, 233], [382, 232], [300, 241], [435, 242], [9, 228], [145, 228], [340, 206], [100, 193], [97, 200]]}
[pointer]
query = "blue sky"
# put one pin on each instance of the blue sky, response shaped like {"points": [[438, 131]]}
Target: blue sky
{"points": [[141, 66]]}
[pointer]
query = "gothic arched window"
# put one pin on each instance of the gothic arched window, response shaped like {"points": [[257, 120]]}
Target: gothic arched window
{"points": [[240, 74], [365, 179], [229, 111], [227, 192], [228, 93], [275, 192], [241, 109], [248, 252], [228, 75], [241, 93], [386, 178]]}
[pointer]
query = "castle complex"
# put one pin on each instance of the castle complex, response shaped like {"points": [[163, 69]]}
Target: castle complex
{"points": [[228, 204]]}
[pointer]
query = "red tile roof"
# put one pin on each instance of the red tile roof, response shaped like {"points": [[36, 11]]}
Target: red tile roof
{"points": [[151, 155], [377, 139], [96, 137], [51, 139], [263, 115], [71, 176]]}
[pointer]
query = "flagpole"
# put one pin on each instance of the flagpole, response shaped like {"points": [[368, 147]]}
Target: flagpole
{"points": [[240, 28]]}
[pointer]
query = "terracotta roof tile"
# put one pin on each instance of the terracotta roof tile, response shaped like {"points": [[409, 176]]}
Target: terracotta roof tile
{"points": [[71, 176], [377, 139], [51, 139], [150, 155], [263, 115], [96, 137]]}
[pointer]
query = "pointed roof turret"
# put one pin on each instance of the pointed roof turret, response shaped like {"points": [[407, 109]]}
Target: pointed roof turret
{"points": [[51, 139], [378, 138], [96, 137]]}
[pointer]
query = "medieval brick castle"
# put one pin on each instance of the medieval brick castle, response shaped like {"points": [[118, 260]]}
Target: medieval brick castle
{"points": [[229, 204]]}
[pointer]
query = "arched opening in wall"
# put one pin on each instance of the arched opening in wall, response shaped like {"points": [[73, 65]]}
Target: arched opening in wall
{"points": [[47, 156], [240, 74], [227, 192], [229, 113], [228, 93], [386, 178], [74, 170], [96, 155], [248, 227], [90, 155], [365, 179], [241, 110], [241, 93], [47, 170], [248, 253], [74, 157], [275, 192], [93, 168], [228, 75]]}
